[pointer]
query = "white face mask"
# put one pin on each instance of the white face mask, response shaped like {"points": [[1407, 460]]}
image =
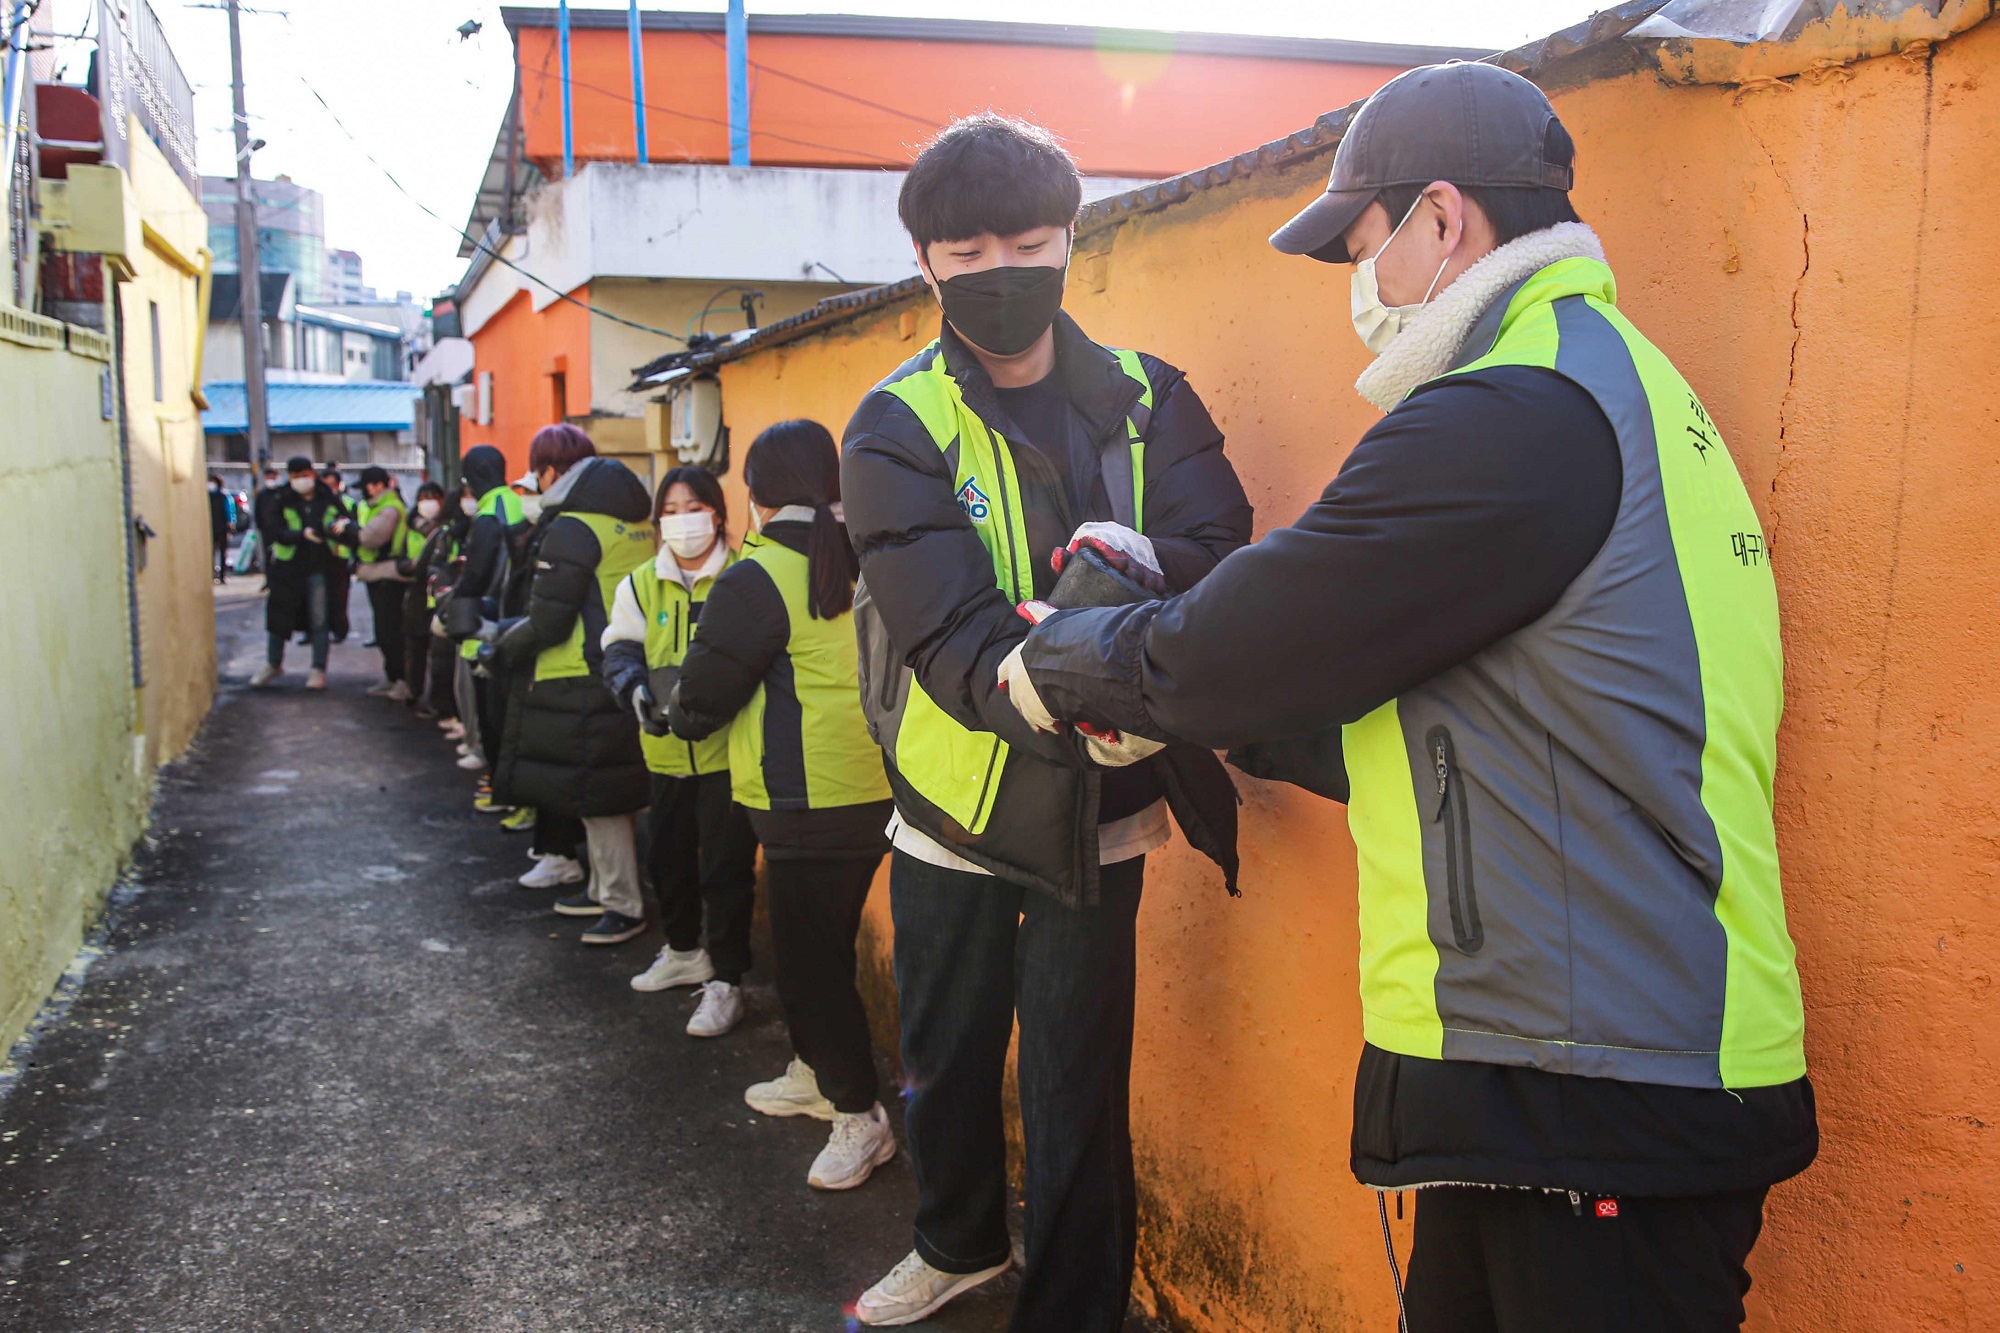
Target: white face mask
{"points": [[756, 518], [1378, 324], [688, 535], [531, 507], [429, 508], [469, 506], [303, 485]]}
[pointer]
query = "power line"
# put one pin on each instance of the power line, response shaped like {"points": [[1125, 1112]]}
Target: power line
{"points": [[928, 122], [715, 120], [475, 241]]}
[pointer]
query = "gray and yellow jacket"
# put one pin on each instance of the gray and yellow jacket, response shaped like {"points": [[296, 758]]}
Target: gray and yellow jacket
{"points": [[1529, 634], [949, 520]]}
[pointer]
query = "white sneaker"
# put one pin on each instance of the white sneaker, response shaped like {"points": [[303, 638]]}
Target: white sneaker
{"points": [[674, 968], [551, 872], [721, 1009], [453, 729], [316, 679], [858, 1144], [399, 693], [380, 690], [463, 748], [914, 1290], [795, 1092], [473, 762], [266, 674]]}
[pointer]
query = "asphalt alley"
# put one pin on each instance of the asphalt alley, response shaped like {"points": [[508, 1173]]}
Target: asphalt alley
{"points": [[333, 1069]]}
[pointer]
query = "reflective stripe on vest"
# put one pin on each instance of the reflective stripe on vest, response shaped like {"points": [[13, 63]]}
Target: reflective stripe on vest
{"points": [[1566, 848], [282, 551], [956, 769], [670, 609], [801, 742], [368, 509], [622, 548]]}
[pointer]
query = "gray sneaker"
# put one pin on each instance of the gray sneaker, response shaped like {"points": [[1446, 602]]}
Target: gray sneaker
{"points": [[614, 928]]}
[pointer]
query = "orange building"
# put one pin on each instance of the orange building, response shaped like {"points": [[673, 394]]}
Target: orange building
{"points": [[1801, 227], [667, 249]]}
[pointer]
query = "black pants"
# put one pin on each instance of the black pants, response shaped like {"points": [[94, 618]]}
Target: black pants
{"points": [[416, 659], [385, 604], [1522, 1261], [972, 952], [700, 853], [338, 581], [815, 906], [444, 675], [558, 835], [221, 542]]}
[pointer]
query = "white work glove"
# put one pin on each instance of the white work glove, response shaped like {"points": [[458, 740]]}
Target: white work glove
{"points": [[1020, 692], [1117, 537], [642, 707], [1109, 749]]}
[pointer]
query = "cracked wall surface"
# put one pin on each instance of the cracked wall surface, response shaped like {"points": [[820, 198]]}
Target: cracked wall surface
{"points": [[1817, 254]]}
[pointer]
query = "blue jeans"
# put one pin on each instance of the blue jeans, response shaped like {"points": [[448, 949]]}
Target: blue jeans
{"points": [[316, 623], [972, 952]]}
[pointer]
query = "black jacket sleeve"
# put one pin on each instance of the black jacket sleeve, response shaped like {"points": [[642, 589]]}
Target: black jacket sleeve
{"points": [[1196, 512], [485, 547], [624, 669], [565, 566], [1458, 519], [743, 628]]}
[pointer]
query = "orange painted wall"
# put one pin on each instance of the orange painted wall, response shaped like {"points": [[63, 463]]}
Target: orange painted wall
{"points": [[1816, 254], [1122, 113], [523, 347]]}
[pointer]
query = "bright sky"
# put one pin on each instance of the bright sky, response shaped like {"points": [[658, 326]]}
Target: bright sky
{"points": [[427, 105]]}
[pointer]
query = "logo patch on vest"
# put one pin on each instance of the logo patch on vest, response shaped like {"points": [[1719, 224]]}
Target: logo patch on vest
{"points": [[974, 502]]}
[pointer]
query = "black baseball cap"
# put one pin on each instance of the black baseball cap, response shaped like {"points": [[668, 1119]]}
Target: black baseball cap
{"points": [[1467, 123]]}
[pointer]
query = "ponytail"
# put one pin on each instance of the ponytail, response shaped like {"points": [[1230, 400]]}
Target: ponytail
{"points": [[797, 463]]}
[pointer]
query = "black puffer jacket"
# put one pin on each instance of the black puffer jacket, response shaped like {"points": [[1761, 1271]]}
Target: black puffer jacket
{"points": [[929, 587], [285, 609], [568, 747]]}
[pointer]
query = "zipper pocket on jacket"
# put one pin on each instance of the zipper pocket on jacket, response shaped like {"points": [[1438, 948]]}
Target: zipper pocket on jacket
{"points": [[1456, 817]]}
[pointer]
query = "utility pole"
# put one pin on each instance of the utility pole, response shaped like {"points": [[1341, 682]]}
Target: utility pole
{"points": [[249, 281]]}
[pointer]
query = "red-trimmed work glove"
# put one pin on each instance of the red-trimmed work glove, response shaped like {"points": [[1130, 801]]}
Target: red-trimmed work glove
{"points": [[1107, 747], [1130, 553]]}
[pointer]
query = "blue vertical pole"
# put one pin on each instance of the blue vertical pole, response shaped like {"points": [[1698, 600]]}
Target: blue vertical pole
{"points": [[569, 129], [638, 82], [738, 33]]}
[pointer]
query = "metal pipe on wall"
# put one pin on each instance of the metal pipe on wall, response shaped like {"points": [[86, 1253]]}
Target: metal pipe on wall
{"points": [[569, 127], [638, 82], [737, 46]]}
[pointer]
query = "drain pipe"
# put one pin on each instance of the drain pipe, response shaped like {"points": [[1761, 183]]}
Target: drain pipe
{"points": [[569, 128], [17, 16], [638, 83], [737, 30]]}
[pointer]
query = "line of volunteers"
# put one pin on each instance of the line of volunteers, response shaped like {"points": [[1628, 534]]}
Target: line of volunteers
{"points": [[1511, 635]]}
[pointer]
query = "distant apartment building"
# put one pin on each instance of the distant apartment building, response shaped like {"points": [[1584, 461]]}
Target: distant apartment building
{"points": [[577, 280], [343, 278]]}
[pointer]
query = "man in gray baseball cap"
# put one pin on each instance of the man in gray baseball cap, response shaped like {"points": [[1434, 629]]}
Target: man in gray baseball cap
{"points": [[1529, 636]]}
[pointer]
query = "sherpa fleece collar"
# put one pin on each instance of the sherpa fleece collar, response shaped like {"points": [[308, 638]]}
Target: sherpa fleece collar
{"points": [[1426, 349]]}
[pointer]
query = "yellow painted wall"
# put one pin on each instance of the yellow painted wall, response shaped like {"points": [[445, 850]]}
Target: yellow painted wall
{"points": [[1816, 253], [73, 780], [169, 477], [78, 744]]}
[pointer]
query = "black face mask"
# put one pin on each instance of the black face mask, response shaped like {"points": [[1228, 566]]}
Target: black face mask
{"points": [[1003, 310]]}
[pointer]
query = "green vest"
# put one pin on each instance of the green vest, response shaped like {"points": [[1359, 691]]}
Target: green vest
{"points": [[801, 742], [956, 769], [671, 608], [1566, 849], [623, 547], [282, 551], [368, 509], [503, 504]]}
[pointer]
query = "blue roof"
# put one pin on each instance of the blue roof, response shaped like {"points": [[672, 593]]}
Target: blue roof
{"points": [[356, 405]]}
